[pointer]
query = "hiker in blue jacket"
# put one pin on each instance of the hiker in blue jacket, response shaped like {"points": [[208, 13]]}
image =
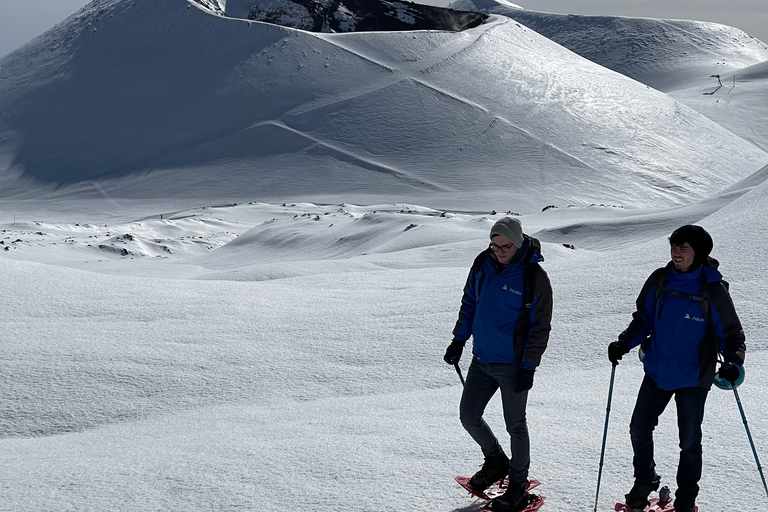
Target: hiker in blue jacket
{"points": [[507, 309], [685, 317]]}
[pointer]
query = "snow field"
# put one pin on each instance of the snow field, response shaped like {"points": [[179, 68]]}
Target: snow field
{"points": [[171, 394]]}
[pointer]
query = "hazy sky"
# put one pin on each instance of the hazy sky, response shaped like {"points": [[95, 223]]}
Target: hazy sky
{"points": [[22, 20]]}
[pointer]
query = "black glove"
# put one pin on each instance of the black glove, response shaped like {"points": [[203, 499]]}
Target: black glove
{"points": [[616, 350], [524, 380], [729, 372], [453, 352]]}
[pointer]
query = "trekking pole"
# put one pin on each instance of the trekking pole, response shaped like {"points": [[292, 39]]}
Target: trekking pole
{"points": [[458, 370], [605, 434], [749, 435]]}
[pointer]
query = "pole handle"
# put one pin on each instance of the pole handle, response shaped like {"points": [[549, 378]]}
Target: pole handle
{"points": [[458, 370]]}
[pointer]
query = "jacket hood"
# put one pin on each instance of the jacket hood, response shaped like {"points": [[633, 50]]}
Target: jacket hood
{"points": [[709, 270], [534, 251]]}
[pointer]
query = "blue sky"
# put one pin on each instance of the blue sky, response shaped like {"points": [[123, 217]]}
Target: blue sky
{"points": [[21, 21]]}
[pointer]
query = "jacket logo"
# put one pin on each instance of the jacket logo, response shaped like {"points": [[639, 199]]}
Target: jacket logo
{"points": [[694, 318], [512, 290]]}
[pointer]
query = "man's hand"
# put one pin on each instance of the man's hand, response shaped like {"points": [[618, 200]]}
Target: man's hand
{"points": [[616, 350], [524, 380], [453, 352], [729, 372]]}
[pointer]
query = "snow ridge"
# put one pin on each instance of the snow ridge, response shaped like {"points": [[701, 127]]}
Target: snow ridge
{"points": [[664, 54]]}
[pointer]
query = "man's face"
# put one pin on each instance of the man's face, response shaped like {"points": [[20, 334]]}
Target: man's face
{"points": [[503, 249], [682, 256]]}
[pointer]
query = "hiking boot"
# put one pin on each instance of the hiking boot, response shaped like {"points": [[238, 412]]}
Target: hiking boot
{"points": [[684, 507], [637, 499], [514, 499], [494, 469]]}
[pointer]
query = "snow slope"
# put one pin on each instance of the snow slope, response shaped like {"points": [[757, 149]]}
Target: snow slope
{"points": [[665, 54], [132, 100], [255, 241], [743, 95], [679, 57]]}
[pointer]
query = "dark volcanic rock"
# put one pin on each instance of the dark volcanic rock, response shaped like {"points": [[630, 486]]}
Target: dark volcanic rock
{"points": [[359, 15]]}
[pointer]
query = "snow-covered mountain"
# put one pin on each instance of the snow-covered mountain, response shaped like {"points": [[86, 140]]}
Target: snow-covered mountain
{"points": [[665, 54], [502, 6], [697, 63], [224, 109]]}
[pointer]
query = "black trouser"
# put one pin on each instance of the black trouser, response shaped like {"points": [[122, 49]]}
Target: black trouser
{"points": [[651, 402], [483, 380]]}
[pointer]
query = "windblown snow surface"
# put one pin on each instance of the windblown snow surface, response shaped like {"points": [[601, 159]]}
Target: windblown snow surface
{"points": [[661, 53], [697, 63], [232, 255]]}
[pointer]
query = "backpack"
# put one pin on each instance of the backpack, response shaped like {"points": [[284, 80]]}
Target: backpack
{"points": [[704, 296]]}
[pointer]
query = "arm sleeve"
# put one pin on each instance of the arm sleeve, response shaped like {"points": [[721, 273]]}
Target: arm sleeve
{"points": [[642, 319], [463, 328], [727, 325], [541, 322]]}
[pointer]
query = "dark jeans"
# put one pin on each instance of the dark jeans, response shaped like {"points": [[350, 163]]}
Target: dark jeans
{"points": [[651, 402], [483, 379]]}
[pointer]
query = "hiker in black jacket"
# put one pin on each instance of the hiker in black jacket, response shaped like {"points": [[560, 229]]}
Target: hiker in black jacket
{"points": [[507, 309], [685, 317]]}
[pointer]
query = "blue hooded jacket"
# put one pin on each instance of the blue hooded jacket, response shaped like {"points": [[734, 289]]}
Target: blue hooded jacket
{"points": [[494, 312], [680, 345]]}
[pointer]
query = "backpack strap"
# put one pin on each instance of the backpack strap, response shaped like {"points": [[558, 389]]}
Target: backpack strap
{"points": [[529, 284], [529, 288], [704, 296], [476, 271]]}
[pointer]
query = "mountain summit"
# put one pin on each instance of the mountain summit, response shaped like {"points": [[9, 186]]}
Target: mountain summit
{"points": [[347, 15]]}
